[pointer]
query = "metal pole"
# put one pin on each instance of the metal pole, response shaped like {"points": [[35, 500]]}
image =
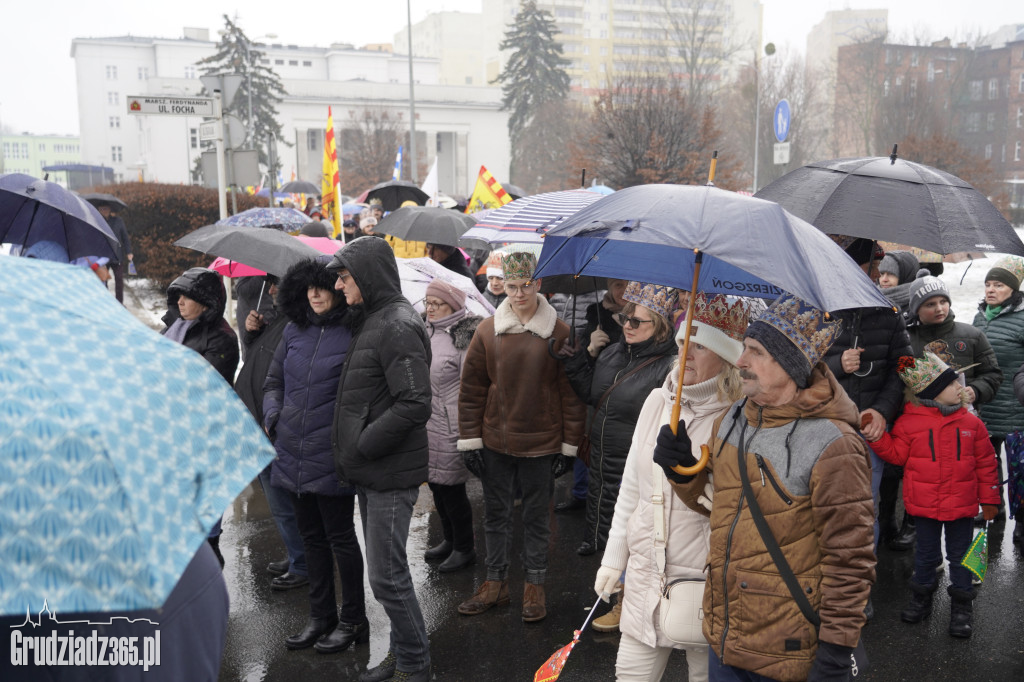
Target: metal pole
{"points": [[222, 200], [248, 89], [413, 174], [270, 171], [757, 113]]}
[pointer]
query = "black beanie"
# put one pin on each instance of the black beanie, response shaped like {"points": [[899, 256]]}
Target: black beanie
{"points": [[938, 385], [782, 350]]}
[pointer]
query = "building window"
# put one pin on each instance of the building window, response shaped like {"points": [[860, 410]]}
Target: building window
{"points": [[914, 59], [115, 122], [279, 62], [993, 88], [112, 98], [307, 63], [1016, 151], [885, 88], [1020, 117], [143, 73], [190, 72], [469, 80], [1020, 85], [931, 71], [973, 122], [42, 146], [111, 73], [115, 153], [913, 86], [312, 140], [193, 138], [988, 152], [293, 62], [990, 121], [975, 89]]}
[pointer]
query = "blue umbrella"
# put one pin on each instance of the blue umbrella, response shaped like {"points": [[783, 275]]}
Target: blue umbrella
{"points": [[527, 219], [33, 210], [603, 190], [748, 247], [119, 449], [287, 219]]}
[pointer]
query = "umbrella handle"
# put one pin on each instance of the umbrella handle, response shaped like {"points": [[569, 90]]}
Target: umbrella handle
{"points": [[677, 405], [714, 166]]}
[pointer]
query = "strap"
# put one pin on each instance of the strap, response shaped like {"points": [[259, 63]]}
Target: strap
{"points": [[658, 507], [769, 540], [604, 396]]}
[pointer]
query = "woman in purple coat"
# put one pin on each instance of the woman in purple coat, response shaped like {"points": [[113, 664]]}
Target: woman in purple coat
{"points": [[298, 411]]}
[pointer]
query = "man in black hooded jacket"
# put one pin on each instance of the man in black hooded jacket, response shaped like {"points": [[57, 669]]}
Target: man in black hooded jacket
{"points": [[380, 438]]}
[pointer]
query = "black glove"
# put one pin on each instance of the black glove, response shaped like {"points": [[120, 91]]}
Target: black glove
{"points": [[561, 464], [832, 663], [673, 449], [474, 461]]}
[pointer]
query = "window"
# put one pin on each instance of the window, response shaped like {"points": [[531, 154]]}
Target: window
{"points": [[913, 86], [914, 60], [115, 122], [115, 153], [293, 62], [42, 146], [993, 88], [190, 72], [1016, 151], [307, 63], [279, 62], [1020, 117], [193, 138], [469, 81], [973, 122], [931, 71], [111, 73], [586, 49], [988, 152], [112, 98], [312, 140], [975, 90], [990, 121], [604, 51], [885, 88], [143, 73], [604, 34], [1020, 85]]}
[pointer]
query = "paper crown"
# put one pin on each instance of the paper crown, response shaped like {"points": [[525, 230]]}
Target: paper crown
{"points": [[654, 297], [494, 264], [376, 202], [1014, 265], [920, 373], [718, 326], [804, 325], [519, 265]]}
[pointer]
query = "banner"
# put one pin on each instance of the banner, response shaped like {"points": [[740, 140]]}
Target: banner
{"points": [[397, 174], [330, 181], [488, 193]]}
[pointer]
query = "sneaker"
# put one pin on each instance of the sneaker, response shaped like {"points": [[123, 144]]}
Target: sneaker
{"points": [[418, 676], [385, 670]]}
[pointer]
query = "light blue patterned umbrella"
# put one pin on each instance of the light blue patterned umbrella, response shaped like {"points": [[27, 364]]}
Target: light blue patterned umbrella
{"points": [[119, 449], [288, 219]]}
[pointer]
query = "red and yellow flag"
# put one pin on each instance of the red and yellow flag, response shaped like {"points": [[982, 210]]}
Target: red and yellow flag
{"points": [[488, 193], [330, 181]]}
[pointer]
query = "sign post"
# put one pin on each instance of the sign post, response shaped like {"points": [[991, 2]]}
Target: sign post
{"points": [[780, 124], [222, 200], [170, 106]]}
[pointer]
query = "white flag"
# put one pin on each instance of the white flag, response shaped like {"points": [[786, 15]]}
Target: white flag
{"points": [[430, 185]]}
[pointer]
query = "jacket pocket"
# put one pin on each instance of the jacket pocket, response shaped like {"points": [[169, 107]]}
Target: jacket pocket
{"points": [[767, 620]]}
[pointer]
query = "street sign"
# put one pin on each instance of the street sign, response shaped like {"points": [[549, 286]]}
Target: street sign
{"points": [[227, 83], [244, 167], [170, 106], [780, 121], [208, 131], [781, 153]]}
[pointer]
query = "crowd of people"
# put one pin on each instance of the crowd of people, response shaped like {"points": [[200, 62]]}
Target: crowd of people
{"points": [[809, 423]]}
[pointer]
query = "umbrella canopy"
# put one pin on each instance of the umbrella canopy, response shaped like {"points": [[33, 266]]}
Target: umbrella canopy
{"points": [[287, 219], [33, 210], [267, 250], [514, 191], [99, 198], [426, 224], [299, 187], [749, 247], [109, 487], [394, 193], [527, 219], [603, 190], [895, 200], [417, 273]]}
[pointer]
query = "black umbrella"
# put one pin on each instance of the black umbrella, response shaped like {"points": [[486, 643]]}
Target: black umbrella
{"points": [[394, 193], [426, 224], [886, 198], [100, 198], [299, 187], [514, 191], [269, 250]]}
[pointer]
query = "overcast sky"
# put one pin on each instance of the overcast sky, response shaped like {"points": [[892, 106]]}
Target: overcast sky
{"points": [[37, 75]]}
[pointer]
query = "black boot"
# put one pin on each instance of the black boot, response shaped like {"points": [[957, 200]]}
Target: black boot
{"points": [[438, 552], [314, 630], [908, 534], [920, 606], [1018, 528], [961, 612]]}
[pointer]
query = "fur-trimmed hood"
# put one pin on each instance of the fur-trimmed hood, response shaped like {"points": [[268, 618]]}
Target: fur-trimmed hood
{"points": [[460, 327], [292, 299], [542, 323], [203, 286]]}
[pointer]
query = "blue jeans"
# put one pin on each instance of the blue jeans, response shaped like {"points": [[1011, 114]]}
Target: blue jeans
{"points": [[719, 672], [281, 509], [386, 516], [959, 535], [580, 479], [877, 467]]}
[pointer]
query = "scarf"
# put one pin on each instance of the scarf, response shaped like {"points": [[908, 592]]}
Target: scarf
{"points": [[178, 329]]}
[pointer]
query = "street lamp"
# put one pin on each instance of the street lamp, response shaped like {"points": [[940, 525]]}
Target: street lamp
{"points": [[769, 50]]}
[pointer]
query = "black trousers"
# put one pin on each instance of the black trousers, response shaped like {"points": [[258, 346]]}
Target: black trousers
{"points": [[329, 536], [456, 514]]}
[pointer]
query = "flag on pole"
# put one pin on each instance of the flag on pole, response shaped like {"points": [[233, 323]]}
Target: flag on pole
{"points": [[976, 558], [397, 174], [330, 181], [552, 668], [429, 185], [488, 193]]}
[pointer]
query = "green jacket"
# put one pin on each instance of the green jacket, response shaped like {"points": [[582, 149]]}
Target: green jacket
{"points": [[1005, 332]]}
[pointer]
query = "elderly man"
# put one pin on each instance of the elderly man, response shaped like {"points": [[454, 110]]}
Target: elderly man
{"points": [[380, 438], [791, 472]]}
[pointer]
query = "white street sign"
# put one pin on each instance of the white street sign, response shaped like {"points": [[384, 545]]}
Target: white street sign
{"points": [[208, 131], [170, 106], [781, 153]]}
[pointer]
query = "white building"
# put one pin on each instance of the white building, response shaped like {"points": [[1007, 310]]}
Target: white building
{"points": [[461, 125], [456, 40]]}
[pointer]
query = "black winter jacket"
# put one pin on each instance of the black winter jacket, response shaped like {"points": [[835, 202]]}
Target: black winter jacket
{"points": [[882, 334], [612, 426], [252, 376], [960, 345], [383, 404], [456, 262], [211, 336]]}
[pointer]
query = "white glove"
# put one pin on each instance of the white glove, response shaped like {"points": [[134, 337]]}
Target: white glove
{"points": [[598, 340], [709, 494], [607, 582]]}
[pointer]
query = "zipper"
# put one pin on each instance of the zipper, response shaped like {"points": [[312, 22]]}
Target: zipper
{"points": [[604, 421], [931, 443], [771, 479], [305, 410]]}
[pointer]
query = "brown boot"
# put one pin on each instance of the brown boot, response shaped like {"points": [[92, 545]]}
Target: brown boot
{"points": [[491, 593], [609, 622], [533, 603]]}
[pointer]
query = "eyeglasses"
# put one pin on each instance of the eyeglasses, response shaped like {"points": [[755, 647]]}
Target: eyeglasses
{"points": [[631, 322], [344, 277], [433, 305], [513, 289]]}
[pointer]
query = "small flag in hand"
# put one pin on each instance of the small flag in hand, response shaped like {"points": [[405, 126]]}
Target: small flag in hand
{"points": [[976, 558]]}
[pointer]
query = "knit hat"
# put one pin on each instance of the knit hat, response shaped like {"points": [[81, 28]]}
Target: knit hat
{"points": [[519, 265], [494, 265], [864, 250], [655, 297], [926, 376], [1009, 270], [450, 294], [795, 334], [718, 326], [924, 288], [889, 266]]}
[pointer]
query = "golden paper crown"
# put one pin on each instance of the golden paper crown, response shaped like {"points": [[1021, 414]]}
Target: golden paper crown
{"points": [[804, 325], [376, 202], [716, 312], [655, 297]]}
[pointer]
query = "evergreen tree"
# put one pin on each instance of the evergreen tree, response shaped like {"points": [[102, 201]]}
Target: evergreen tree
{"points": [[535, 74], [237, 54]]}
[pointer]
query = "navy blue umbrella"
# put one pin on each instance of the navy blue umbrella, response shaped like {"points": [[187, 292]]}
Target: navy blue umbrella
{"points": [[33, 210], [746, 247]]}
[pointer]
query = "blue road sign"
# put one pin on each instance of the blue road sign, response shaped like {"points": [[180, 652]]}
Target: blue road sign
{"points": [[780, 121]]}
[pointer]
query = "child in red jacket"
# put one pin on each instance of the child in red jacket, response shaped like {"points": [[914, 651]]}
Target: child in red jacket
{"points": [[948, 469]]}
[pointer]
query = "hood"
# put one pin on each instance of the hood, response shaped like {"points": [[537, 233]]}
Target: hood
{"points": [[203, 286], [907, 263], [823, 398], [292, 298], [371, 262]]}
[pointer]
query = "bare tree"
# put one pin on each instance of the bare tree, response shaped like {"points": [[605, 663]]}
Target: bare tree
{"points": [[542, 160], [367, 143]]}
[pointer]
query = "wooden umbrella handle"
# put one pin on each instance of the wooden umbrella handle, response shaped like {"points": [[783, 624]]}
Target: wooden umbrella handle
{"points": [[702, 462], [705, 455]]}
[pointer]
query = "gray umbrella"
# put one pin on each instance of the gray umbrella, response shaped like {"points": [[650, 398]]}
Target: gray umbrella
{"points": [[426, 224], [299, 187], [268, 250], [100, 198]]}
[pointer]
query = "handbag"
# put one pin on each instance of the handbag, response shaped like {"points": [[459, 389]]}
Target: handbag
{"points": [[859, 656], [583, 451], [681, 609]]}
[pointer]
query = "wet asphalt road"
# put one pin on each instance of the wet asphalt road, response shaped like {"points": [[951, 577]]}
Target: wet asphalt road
{"points": [[499, 646]]}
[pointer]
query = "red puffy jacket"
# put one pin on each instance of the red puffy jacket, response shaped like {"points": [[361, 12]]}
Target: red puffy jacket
{"points": [[949, 466]]}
